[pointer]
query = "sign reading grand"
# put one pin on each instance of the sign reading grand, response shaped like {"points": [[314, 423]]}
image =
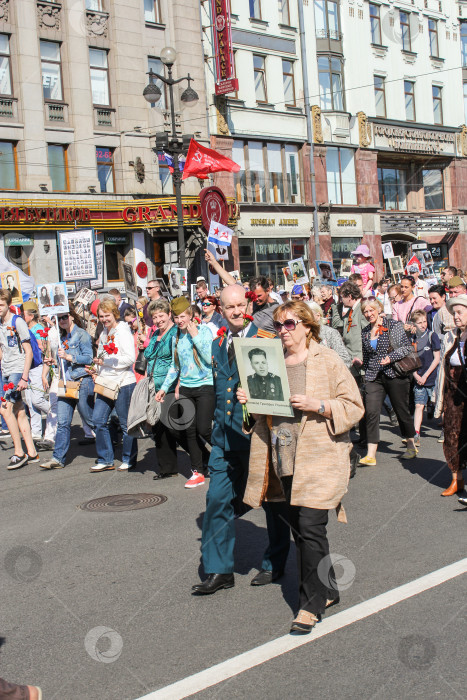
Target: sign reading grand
{"points": [[147, 213], [225, 66], [413, 140]]}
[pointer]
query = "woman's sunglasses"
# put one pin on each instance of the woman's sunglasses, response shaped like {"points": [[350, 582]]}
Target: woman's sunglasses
{"points": [[289, 324], [206, 303], [63, 318]]}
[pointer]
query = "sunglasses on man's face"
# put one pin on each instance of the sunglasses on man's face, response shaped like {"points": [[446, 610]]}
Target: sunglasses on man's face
{"points": [[289, 324]]}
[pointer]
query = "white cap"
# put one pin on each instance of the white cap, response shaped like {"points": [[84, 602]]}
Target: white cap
{"points": [[201, 279]]}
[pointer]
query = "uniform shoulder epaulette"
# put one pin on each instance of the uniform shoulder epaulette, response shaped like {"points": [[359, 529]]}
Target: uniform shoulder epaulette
{"points": [[265, 334]]}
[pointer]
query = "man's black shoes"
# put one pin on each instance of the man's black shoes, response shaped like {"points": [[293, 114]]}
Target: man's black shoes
{"points": [[213, 583], [264, 577]]}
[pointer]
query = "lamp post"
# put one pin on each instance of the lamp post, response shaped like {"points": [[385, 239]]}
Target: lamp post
{"points": [[173, 144]]}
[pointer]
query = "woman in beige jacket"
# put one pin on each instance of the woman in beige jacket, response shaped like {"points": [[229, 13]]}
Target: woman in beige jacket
{"points": [[305, 459]]}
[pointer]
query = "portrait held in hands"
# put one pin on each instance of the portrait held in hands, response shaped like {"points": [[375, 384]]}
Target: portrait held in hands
{"points": [[263, 376]]}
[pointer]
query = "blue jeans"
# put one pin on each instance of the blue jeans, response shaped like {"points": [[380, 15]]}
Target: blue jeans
{"points": [[65, 410], [4, 425], [102, 409]]}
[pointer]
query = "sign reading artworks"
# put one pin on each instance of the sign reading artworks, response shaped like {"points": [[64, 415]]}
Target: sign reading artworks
{"points": [[222, 33]]}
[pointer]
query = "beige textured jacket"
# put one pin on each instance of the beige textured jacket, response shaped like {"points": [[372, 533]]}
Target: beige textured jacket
{"points": [[322, 464]]}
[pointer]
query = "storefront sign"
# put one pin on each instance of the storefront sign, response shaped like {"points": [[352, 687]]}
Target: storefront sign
{"points": [[222, 33], [108, 214], [414, 140], [346, 222], [213, 207], [116, 240], [262, 222], [17, 239], [341, 226]]}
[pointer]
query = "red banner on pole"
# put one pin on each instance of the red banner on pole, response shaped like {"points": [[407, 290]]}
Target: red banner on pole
{"points": [[222, 32]]}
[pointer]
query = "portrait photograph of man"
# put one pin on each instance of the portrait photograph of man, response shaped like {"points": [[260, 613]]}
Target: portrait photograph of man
{"points": [[262, 371], [298, 271], [10, 281]]}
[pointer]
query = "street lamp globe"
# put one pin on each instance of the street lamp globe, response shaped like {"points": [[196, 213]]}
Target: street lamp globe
{"points": [[189, 97], [152, 92], [168, 56]]}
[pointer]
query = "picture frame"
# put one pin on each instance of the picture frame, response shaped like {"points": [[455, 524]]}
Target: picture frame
{"points": [[164, 289], [326, 272], [298, 271], [129, 279], [98, 282], [178, 280], [346, 266], [263, 375], [396, 265], [10, 281], [52, 299], [388, 251], [77, 254]]}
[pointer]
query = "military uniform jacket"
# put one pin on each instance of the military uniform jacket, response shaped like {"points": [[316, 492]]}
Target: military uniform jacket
{"points": [[228, 415], [267, 388]]}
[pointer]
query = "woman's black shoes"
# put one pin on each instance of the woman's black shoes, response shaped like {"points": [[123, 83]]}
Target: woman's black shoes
{"points": [[156, 477]]}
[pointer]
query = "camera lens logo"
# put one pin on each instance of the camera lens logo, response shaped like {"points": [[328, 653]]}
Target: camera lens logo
{"points": [[103, 644], [23, 564], [177, 414], [336, 572]]}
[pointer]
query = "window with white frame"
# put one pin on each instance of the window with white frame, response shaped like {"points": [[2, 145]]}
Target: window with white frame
{"points": [[259, 69], [156, 65], [5, 67], [327, 19], [331, 92], [99, 67], [51, 70], [340, 169], [269, 172], [152, 11]]}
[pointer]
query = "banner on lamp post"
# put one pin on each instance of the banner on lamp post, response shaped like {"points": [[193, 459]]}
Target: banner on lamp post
{"points": [[222, 32]]}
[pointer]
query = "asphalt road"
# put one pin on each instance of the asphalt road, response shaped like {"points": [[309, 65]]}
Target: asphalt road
{"points": [[97, 606]]}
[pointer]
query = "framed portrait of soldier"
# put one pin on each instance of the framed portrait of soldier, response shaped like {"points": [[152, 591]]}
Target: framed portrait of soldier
{"points": [[298, 271], [396, 265], [10, 281], [130, 281], [263, 375]]}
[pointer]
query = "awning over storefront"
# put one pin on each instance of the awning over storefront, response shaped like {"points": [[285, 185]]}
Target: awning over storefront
{"points": [[160, 212]]}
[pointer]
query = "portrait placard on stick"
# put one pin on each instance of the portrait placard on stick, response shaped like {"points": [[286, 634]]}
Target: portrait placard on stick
{"points": [[52, 299], [77, 255], [10, 281], [130, 281]]}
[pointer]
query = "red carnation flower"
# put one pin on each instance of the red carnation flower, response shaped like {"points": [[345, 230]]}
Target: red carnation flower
{"points": [[3, 400], [221, 331], [11, 385], [5, 387], [251, 296], [247, 317]]}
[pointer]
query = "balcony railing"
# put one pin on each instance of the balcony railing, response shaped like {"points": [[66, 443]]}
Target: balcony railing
{"points": [[56, 112], [419, 223], [7, 107], [104, 116], [330, 34]]}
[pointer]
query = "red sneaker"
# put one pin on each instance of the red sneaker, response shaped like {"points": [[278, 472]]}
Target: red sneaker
{"points": [[196, 480]]}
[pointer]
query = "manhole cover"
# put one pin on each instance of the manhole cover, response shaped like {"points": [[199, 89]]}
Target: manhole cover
{"points": [[123, 501]]}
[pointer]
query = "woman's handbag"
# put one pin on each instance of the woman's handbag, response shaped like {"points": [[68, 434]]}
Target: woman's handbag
{"points": [[70, 390], [107, 387], [141, 363], [408, 364]]}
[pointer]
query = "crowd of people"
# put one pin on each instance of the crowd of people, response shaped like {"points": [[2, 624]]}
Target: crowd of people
{"points": [[349, 352]]}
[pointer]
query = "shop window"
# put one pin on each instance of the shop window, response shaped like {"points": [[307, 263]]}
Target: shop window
{"points": [[331, 94], [299, 248], [114, 257], [256, 171], [327, 19], [267, 256], [409, 94], [255, 9], [275, 171], [19, 256], [51, 70], [433, 37], [380, 95], [105, 168], [5, 67], [375, 24], [463, 34], [437, 104], [259, 69], [152, 11], [238, 156], [284, 12], [165, 175], [156, 65], [392, 189], [288, 82], [58, 167], [292, 164], [433, 189], [99, 70], [405, 31], [8, 166], [341, 250], [340, 168]]}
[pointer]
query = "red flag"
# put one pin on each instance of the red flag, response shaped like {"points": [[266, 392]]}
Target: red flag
{"points": [[201, 160]]}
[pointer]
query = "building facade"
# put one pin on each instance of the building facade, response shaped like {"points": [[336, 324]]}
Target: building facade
{"points": [[378, 89], [77, 138]]}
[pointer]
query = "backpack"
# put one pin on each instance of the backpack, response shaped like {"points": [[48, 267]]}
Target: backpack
{"points": [[36, 351]]}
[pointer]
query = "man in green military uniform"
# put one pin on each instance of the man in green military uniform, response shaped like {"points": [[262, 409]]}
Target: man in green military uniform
{"points": [[263, 384]]}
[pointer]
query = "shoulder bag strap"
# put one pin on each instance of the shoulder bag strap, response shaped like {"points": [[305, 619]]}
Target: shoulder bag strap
{"points": [[460, 354]]}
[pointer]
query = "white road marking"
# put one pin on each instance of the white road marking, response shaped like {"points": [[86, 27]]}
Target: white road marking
{"points": [[260, 655]]}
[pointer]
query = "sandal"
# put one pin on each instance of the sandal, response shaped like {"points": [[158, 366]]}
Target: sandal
{"points": [[304, 622]]}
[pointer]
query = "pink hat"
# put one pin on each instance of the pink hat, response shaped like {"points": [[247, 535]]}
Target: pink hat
{"points": [[362, 250]]}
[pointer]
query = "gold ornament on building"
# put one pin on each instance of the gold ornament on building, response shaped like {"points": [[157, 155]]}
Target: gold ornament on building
{"points": [[221, 111], [316, 122], [462, 141], [364, 130]]}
